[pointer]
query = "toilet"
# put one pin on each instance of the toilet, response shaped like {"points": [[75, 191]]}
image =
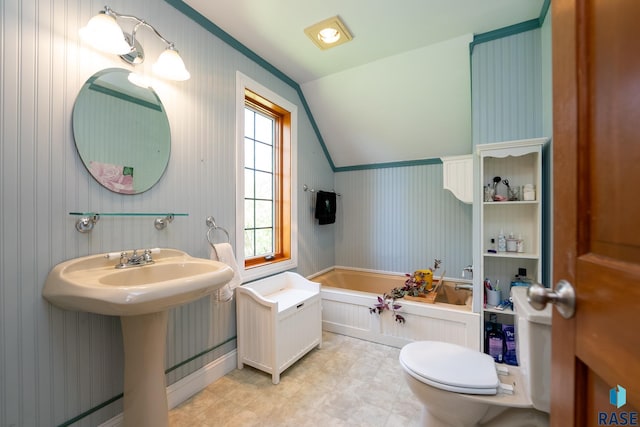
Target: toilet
{"points": [[460, 387]]}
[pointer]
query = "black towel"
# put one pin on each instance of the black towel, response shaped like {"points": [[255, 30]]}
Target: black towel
{"points": [[326, 207]]}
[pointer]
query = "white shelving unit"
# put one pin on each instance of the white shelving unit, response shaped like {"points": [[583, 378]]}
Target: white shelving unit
{"points": [[521, 163]]}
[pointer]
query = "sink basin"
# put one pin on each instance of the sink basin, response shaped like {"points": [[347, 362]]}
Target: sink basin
{"points": [[448, 294], [92, 283]]}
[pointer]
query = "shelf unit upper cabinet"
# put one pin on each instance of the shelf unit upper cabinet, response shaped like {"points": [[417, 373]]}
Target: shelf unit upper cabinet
{"points": [[520, 162], [457, 176]]}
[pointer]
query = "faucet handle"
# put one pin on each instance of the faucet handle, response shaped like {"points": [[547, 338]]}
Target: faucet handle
{"points": [[147, 255], [124, 259]]}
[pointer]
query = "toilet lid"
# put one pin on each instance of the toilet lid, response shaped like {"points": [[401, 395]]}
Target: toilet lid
{"points": [[450, 367]]}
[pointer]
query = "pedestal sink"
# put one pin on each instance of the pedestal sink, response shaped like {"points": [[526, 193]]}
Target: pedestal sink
{"points": [[141, 296]]}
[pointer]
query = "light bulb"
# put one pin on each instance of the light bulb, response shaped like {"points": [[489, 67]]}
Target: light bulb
{"points": [[170, 66], [103, 33], [329, 35]]}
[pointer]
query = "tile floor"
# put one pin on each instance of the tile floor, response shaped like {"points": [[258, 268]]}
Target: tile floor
{"points": [[347, 382]]}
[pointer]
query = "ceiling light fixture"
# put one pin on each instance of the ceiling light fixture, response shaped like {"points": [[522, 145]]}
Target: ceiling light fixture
{"points": [[328, 33], [105, 34]]}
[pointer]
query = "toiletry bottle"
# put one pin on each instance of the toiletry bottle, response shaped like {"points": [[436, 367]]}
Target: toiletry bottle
{"points": [[492, 247], [488, 327], [529, 192], [520, 244], [502, 242], [488, 193], [512, 243], [495, 340]]}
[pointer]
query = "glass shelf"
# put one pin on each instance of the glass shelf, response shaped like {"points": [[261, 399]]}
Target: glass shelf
{"points": [[88, 220], [126, 214]]}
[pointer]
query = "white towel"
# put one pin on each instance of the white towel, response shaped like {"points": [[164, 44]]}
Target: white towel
{"points": [[223, 252]]}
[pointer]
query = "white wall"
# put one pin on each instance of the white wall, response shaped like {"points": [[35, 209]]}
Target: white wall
{"points": [[425, 93], [55, 364]]}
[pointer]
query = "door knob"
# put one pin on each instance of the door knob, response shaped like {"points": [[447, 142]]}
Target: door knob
{"points": [[564, 298]]}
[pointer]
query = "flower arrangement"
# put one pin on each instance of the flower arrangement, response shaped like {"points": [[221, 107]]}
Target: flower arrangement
{"points": [[415, 285]]}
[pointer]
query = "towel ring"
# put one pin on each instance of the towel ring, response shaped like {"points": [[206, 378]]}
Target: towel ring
{"points": [[211, 223]]}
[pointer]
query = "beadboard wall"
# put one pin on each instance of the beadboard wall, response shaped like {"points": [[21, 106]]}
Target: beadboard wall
{"points": [[55, 364], [506, 90], [512, 99], [400, 219]]}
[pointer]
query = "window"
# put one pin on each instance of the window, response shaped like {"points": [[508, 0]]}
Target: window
{"points": [[266, 225]]}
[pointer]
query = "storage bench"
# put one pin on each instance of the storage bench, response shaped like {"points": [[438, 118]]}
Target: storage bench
{"points": [[279, 320]]}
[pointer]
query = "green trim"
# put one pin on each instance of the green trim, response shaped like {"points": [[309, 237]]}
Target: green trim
{"points": [[235, 44], [225, 37], [121, 395], [511, 30], [544, 11], [91, 411], [434, 161], [202, 353]]}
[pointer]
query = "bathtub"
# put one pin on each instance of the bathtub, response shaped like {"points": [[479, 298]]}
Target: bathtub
{"points": [[347, 294]]}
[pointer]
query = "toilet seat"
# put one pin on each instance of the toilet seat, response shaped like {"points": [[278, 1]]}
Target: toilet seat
{"points": [[450, 367]]}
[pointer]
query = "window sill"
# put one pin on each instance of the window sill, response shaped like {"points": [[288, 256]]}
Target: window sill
{"points": [[269, 269]]}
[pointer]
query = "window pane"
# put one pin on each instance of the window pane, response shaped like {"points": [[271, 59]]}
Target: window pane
{"points": [[264, 214], [248, 123], [264, 185], [249, 183], [249, 217], [249, 161], [249, 243], [264, 157], [264, 129], [264, 242]]}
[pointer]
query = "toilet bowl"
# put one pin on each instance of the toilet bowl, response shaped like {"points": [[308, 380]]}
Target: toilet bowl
{"points": [[461, 387]]}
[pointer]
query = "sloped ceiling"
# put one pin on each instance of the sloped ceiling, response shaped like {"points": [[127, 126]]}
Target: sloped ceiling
{"points": [[399, 91]]}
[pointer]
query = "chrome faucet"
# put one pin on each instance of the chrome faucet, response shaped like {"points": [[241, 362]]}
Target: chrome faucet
{"points": [[466, 286], [135, 260], [468, 268]]}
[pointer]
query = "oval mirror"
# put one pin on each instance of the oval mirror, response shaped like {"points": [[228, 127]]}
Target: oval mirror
{"points": [[121, 132]]}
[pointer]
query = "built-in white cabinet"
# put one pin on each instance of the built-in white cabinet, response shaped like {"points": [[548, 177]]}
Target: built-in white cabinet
{"points": [[457, 176], [516, 214]]}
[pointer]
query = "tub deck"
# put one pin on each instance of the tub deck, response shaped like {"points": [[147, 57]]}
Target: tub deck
{"points": [[348, 294]]}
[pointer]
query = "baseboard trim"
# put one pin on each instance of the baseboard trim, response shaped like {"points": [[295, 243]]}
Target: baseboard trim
{"points": [[193, 383]]}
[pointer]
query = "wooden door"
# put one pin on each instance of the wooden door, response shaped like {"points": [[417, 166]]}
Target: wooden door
{"points": [[596, 146]]}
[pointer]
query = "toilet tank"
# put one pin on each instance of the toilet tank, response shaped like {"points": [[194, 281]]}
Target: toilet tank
{"points": [[533, 336]]}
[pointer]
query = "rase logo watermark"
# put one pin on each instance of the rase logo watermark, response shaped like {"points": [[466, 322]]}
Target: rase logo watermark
{"points": [[618, 398]]}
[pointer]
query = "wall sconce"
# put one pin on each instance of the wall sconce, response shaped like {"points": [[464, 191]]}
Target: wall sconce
{"points": [[104, 33]]}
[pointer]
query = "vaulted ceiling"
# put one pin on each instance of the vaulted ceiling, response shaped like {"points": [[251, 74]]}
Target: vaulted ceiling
{"points": [[399, 91]]}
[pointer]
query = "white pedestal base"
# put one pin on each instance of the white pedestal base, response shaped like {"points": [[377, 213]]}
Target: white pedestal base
{"points": [[145, 395]]}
